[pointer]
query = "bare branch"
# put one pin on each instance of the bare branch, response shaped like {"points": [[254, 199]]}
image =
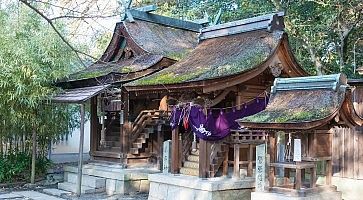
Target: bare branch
{"points": [[77, 52], [81, 17]]}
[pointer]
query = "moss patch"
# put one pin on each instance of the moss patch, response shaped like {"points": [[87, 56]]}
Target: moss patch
{"points": [[126, 69], [178, 55], [168, 78], [287, 116]]}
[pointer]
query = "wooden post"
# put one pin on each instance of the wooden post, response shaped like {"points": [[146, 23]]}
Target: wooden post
{"points": [[125, 128], [250, 158], [298, 179], [236, 172], [204, 163], [94, 125], [313, 177], [160, 143], [80, 154], [329, 171], [34, 153], [175, 151], [225, 162], [271, 177]]}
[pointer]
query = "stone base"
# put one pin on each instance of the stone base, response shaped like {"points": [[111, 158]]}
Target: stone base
{"points": [[314, 196], [182, 187], [116, 179]]}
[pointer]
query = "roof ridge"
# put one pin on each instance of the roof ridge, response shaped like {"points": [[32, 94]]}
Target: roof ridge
{"points": [[269, 22], [332, 82]]}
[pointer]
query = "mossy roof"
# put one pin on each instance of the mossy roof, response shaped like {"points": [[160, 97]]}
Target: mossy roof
{"points": [[163, 40], [218, 57], [299, 106], [134, 64]]}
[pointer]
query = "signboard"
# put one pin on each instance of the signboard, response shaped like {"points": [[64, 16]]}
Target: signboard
{"points": [[260, 167], [166, 156], [297, 150]]}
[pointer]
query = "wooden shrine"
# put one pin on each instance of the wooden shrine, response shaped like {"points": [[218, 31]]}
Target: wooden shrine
{"points": [[254, 52], [304, 111]]}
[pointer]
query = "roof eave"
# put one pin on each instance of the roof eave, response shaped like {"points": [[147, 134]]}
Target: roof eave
{"points": [[304, 125]]}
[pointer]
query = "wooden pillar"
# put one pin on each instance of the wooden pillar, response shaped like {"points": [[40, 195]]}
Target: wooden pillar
{"points": [[239, 100], [272, 140], [204, 159], [313, 177], [125, 127], [225, 162], [159, 147], [236, 173], [298, 179], [94, 125], [175, 151], [250, 158], [80, 153], [329, 171]]}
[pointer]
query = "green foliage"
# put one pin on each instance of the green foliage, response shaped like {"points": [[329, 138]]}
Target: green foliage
{"points": [[32, 58], [16, 167], [322, 33]]}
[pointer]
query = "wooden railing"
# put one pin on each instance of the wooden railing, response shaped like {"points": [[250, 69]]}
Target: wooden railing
{"points": [[143, 119], [247, 137]]}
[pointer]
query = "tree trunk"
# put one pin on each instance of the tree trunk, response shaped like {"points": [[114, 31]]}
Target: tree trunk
{"points": [[315, 59], [34, 152]]}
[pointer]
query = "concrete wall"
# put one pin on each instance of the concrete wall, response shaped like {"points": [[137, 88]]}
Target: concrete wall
{"points": [[67, 150]]}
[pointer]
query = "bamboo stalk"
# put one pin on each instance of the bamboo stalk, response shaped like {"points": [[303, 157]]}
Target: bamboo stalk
{"points": [[34, 151]]}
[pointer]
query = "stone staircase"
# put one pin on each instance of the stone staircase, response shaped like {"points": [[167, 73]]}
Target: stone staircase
{"points": [[107, 177], [191, 164]]}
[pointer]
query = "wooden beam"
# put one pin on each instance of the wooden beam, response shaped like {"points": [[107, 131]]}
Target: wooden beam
{"points": [[168, 21], [175, 151], [298, 179]]}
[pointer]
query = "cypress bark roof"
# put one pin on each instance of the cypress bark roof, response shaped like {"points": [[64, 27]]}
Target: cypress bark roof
{"points": [[218, 57], [305, 103], [139, 45]]}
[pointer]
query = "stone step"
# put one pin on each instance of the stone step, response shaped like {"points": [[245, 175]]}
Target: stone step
{"points": [[189, 171], [90, 181], [99, 171], [193, 158], [72, 187], [190, 164]]}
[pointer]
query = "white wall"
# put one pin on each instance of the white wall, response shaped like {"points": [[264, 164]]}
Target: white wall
{"points": [[67, 150]]}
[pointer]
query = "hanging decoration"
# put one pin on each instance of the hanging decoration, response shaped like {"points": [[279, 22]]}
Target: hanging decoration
{"points": [[217, 122]]}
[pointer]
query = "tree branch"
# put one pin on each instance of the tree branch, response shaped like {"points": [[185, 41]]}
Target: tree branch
{"points": [[81, 17], [76, 51]]}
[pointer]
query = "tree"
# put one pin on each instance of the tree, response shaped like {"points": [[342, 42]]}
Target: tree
{"points": [[32, 57]]}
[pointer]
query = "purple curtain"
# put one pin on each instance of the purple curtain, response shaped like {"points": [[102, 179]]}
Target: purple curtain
{"points": [[217, 124]]}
